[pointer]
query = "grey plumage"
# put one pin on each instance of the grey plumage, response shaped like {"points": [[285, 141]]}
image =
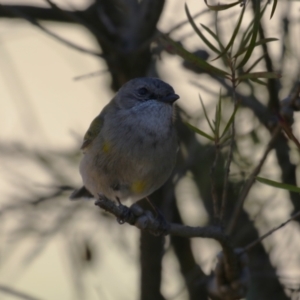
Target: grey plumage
{"points": [[130, 148]]}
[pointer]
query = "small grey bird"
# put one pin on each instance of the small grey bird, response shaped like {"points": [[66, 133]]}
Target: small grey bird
{"points": [[130, 147]]}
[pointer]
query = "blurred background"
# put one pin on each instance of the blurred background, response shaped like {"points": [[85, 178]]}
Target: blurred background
{"points": [[60, 63]]}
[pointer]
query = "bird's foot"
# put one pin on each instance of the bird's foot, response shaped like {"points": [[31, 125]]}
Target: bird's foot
{"points": [[156, 225], [135, 215], [123, 213], [126, 215]]}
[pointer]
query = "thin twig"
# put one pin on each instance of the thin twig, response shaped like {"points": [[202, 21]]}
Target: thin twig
{"points": [[75, 17], [213, 185], [250, 182], [259, 240], [15, 293], [227, 170], [286, 116], [182, 23], [230, 155], [289, 132], [91, 74], [34, 22]]}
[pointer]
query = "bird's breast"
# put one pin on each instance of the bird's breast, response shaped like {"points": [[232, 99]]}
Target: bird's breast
{"points": [[146, 129]]}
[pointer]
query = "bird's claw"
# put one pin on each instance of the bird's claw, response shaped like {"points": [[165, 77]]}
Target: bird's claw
{"points": [[146, 221]]}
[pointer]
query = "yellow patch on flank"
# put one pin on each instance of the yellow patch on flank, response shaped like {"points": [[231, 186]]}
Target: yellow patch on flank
{"points": [[138, 186], [106, 147]]}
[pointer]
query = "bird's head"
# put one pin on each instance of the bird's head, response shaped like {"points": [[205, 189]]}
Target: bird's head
{"points": [[140, 90]]}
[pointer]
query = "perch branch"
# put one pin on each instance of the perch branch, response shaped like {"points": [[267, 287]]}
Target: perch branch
{"points": [[144, 220]]}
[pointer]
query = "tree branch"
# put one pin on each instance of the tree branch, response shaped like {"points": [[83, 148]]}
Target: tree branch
{"points": [[38, 13], [15, 293], [260, 239], [144, 220], [20, 14]]}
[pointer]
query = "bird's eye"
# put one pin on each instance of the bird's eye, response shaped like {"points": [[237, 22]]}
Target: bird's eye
{"points": [[142, 91]]}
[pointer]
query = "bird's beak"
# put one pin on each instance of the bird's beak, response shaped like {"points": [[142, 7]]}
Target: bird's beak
{"points": [[171, 98]]}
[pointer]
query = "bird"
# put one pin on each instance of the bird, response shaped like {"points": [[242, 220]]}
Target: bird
{"points": [[130, 148]]}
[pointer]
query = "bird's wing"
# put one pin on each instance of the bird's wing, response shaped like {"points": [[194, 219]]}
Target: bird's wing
{"points": [[93, 131], [97, 124]]}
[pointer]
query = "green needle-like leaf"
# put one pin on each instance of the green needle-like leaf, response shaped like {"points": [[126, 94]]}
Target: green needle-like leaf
{"points": [[246, 36], [261, 82], [248, 32], [200, 34], [205, 114], [214, 36], [273, 8], [192, 57], [198, 131], [221, 6], [218, 116], [261, 42], [255, 63], [256, 75], [229, 122], [284, 186], [226, 61], [255, 29], [235, 32]]}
